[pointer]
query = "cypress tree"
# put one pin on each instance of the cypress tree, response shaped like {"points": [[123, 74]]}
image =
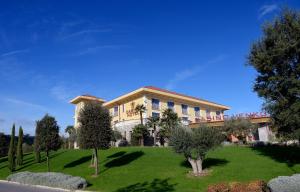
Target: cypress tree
{"points": [[12, 151], [19, 149], [37, 149]]}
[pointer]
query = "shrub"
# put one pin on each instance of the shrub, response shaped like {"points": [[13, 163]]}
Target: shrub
{"points": [[50, 179], [285, 183], [253, 186], [220, 187]]}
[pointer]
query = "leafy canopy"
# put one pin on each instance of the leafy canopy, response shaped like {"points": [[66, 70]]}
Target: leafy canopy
{"points": [[195, 143], [276, 58], [238, 126], [47, 133], [168, 122], [140, 131], [94, 127]]}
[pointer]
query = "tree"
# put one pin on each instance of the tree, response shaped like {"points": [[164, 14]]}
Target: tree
{"points": [[239, 127], [4, 143], [153, 122], [116, 135], [140, 132], [19, 147], [48, 136], [94, 129], [168, 122], [195, 143], [140, 109], [12, 151], [37, 141], [72, 134], [275, 56]]}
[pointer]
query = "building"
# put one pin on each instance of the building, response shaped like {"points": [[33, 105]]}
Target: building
{"points": [[262, 121], [156, 100]]}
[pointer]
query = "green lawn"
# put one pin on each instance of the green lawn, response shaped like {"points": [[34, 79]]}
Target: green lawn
{"points": [[160, 169]]}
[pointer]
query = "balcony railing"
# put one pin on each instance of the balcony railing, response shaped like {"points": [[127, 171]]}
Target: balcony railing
{"points": [[155, 107]]}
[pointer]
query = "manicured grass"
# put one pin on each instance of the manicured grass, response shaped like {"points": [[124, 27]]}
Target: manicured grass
{"points": [[160, 169]]}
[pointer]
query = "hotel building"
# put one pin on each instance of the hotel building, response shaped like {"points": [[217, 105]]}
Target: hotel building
{"points": [[122, 109]]}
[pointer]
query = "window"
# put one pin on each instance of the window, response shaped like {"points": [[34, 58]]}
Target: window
{"points": [[208, 117], [197, 111], [155, 104], [171, 105], [184, 109], [156, 115], [115, 111], [218, 115], [123, 108]]}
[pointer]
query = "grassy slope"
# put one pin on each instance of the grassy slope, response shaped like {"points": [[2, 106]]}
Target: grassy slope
{"points": [[159, 169]]}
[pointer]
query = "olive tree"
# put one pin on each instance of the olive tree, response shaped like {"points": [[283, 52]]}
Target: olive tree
{"points": [[239, 127], [94, 131], [195, 143]]}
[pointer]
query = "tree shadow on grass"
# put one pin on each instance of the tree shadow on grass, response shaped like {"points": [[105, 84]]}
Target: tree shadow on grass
{"points": [[207, 163], [283, 154], [78, 161], [3, 159], [118, 154], [27, 162], [157, 185], [124, 159]]}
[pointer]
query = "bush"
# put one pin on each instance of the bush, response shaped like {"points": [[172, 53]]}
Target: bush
{"points": [[253, 186], [285, 183], [220, 187], [49, 179]]}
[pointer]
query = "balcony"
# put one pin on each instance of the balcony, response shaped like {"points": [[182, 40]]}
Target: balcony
{"points": [[155, 107]]}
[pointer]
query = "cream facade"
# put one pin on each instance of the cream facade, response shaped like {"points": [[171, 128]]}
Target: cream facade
{"points": [[124, 118]]}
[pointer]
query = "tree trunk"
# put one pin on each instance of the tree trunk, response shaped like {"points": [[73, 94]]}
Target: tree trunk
{"points": [[199, 165], [141, 116], [96, 160], [47, 156], [93, 159], [154, 135], [194, 165], [142, 141]]}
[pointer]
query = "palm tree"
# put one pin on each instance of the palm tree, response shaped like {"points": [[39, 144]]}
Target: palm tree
{"points": [[169, 119], [168, 122], [72, 134], [153, 122], [140, 108]]}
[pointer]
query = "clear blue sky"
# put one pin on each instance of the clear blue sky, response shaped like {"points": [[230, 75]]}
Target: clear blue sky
{"points": [[52, 51]]}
